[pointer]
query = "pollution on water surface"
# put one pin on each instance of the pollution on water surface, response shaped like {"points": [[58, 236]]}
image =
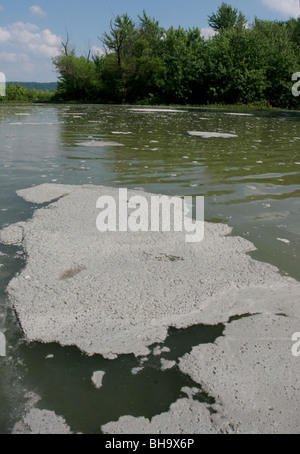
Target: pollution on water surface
{"points": [[246, 167]]}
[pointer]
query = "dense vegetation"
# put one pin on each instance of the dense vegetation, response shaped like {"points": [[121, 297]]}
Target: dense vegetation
{"points": [[146, 64], [18, 93]]}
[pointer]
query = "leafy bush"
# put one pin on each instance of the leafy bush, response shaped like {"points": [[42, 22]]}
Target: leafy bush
{"points": [[17, 93]]}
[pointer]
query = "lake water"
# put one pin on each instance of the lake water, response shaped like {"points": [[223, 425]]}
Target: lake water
{"points": [[250, 182]]}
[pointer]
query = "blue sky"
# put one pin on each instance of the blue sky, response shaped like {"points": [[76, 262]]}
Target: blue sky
{"points": [[31, 30]]}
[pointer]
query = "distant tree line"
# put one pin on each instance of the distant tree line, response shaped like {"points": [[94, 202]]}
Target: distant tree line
{"points": [[143, 63], [16, 92], [37, 86]]}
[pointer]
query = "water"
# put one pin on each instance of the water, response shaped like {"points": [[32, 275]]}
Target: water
{"points": [[250, 183]]}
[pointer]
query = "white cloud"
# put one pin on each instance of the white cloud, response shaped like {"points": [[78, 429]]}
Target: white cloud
{"points": [[4, 35], [8, 56], [29, 37], [207, 32], [37, 10], [27, 49], [13, 57], [286, 7], [1, 8], [98, 50]]}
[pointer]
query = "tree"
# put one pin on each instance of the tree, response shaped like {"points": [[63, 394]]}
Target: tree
{"points": [[132, 69], [225, 18], [234, 68], [184, 62], [66, 50], [109, 84], [77, 77], [119, 42], [144, 63], [279, 59], [293, 27]]}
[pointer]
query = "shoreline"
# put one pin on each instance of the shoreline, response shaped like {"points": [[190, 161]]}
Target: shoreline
{"points": [[219, 107]]}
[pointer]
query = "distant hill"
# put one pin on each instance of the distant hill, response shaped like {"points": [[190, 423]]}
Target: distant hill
{"points": [[39, 86]]}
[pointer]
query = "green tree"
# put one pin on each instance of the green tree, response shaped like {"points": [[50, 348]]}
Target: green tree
{"points": [[184, 63], [132, 69], [77, 77], [144, 63], [293, 27], [108, 81], [234, 68], [119, 42], [18, 93], [225, 18], [279, 60]]}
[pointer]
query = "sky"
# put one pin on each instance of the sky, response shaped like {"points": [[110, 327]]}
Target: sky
{"points": [[31, 31]]}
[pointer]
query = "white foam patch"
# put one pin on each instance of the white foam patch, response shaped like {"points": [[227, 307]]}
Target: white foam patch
{"points": [[251, 372], [238, 114], [207, 135], [118, 292], [166, 364], [97, 379], [185, 416], [99, 143], [136, 370], [121, 133], [156, 110], [44, 422]]}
